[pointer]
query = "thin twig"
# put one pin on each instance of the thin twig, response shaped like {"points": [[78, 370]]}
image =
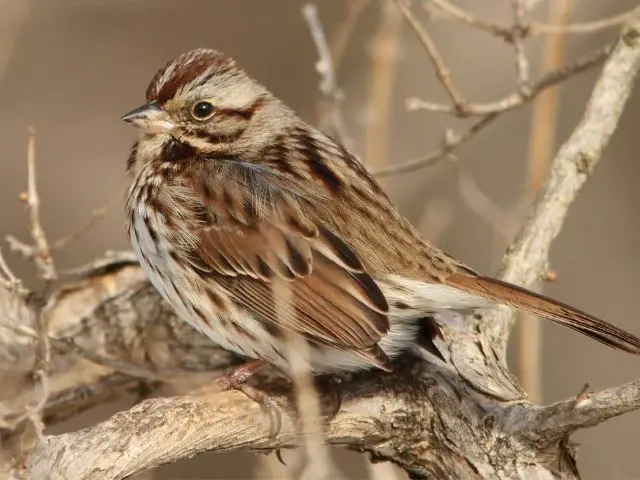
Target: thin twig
{"points": [[495, 110], [11, 282], [451, 143], [457, 13], [40, 251], [94, 218], [561, 28], [522, 64], [501, 220], [531, 29], [519, 98], [441, 70], [328, 82]]}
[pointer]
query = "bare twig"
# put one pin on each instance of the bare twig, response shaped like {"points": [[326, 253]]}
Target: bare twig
{"points": [[522, 64], [559, 28], [10, 281], [441, 70], [461, 15], [451, 143], [40, 252], [531, 29], [94, 218], [491, 112], [503, 221], [518, 99], [328, 82]]}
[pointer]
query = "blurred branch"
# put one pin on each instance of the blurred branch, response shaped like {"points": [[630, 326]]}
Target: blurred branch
{"points": [[560, 28], [385, 50], [13, 14], [528, 29], [318, 464], [328, 82], [345, 30], [456, 13], [94, 218]]}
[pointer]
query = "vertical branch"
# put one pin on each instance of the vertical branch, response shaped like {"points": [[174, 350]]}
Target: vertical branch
{"points": [[522, 64], [385, 50], [13, 14], [43, 252], [328, 82], [541, 144], [344, 32], [298, 354]]}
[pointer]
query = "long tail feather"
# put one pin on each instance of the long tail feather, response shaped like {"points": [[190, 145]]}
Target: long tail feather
{"points": [[522, 299]]}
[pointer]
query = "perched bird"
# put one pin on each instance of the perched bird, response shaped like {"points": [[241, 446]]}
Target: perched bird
{"points": [[233, 193]]}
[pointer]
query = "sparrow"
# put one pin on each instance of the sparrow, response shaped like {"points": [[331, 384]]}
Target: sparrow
{"points": [[232, 194]]}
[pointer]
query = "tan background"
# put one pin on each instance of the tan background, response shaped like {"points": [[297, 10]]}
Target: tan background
{"points": [[77, 65]]}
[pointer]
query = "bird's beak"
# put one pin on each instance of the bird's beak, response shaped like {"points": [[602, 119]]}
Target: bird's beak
{"points": [[150, 118]]}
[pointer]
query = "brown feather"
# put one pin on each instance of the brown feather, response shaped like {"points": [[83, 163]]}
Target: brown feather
{"points": [[537, 304], [333, 301]]}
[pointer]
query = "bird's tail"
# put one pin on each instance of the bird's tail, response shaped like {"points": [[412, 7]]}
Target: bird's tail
{"points": [[523, 299]]}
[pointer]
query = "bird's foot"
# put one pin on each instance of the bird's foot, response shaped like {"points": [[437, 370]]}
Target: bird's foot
{"points": [[237, 380]]}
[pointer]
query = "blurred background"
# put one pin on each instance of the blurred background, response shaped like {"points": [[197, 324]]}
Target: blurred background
{"points": [[71, 68]]}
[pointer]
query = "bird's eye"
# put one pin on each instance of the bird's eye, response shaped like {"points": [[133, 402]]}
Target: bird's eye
{"points": [[202, 110]]}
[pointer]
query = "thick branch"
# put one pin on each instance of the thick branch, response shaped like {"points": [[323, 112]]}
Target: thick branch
{"points": [[586, 410]]}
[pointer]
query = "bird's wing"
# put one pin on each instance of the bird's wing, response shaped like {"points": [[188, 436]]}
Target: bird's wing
{"points": [[248, 248]]}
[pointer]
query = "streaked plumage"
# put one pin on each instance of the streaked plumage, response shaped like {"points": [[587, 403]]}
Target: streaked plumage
{"points": [[222, 207]]}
